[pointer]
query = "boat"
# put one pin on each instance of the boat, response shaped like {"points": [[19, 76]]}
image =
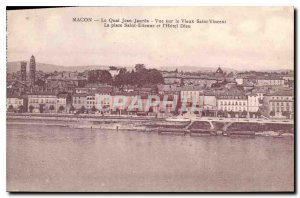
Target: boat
{"points": [[172, 131], [202, 132], [248, 134]]}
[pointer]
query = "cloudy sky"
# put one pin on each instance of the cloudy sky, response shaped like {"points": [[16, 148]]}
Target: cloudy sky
{"points": [[252, 38]]}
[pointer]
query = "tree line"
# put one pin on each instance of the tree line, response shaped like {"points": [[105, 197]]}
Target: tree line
{"points": [[141, 76]]}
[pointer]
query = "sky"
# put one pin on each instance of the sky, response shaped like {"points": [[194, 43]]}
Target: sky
{"points": [[252, 38]]}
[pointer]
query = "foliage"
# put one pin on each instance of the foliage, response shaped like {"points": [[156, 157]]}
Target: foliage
{"points": [[82, 109], [272, 113], [51, 108], [31, 108], [61, 108], [94, 109], [72, 108], [99, 76], [139, 77], [41, 108]]}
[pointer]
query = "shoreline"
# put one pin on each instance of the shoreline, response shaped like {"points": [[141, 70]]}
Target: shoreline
{"points": [[195, 128]]}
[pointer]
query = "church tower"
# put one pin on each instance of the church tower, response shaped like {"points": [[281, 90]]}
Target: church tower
{"points": [[32, 66], [23, 71]]}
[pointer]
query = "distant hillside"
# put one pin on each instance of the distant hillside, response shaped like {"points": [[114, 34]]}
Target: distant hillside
{"points": [[15, 66], [196, 68]]}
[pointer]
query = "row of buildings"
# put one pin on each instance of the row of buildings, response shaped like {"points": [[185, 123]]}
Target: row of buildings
{"points": [[248, 94], [233, 101]]}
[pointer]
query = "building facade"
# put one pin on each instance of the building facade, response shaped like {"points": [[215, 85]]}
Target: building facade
{"points": [[14, 103], [42, 102], [280, 104], [79, 101]]}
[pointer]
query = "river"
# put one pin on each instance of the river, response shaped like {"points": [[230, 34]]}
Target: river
{"points": [[51, 158]]}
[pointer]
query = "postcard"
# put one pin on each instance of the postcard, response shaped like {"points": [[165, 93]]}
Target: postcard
{"points": [[150, 99]]}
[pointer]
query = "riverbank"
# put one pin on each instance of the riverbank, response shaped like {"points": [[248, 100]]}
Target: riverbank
{"points": [[150, 124]]}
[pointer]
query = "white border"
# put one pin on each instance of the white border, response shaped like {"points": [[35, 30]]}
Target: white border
{"points": [[104, 3]]}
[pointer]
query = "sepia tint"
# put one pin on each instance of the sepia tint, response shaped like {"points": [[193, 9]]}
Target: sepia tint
{"points": [[150, 99]]}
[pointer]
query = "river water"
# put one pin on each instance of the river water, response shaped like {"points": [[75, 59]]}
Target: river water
{"points": [[62, 159]]}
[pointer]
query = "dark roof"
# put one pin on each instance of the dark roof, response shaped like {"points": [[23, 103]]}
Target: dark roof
{"points": [[80, 95], [14, 96], [42, 93], [219, 71], [282, 93]]}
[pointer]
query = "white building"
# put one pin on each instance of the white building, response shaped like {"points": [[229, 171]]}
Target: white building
{"points": [[103, 102], [253, 103], [239, 80], [61, 103], [232, 103], [42, 102], [190, 99], [269, 81], [90, 101], [14, 102]]}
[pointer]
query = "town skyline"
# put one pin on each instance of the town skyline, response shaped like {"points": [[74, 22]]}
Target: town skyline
{"points": [[13, 66]]}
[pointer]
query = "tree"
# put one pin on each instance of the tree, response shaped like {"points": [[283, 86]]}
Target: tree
{"points": [[72, 109], [231, 114], [51, 108], [258, 114], [220, 113], [21, 108], [99, 76], [141, 77], [286, 114], [244, 113], [226, 113], [139, 67], [31, 108], [61, 108], [10, 108], [40, 82], [41, 108], [272, 114], [82, 109], [94, 109], [113, 68]]}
